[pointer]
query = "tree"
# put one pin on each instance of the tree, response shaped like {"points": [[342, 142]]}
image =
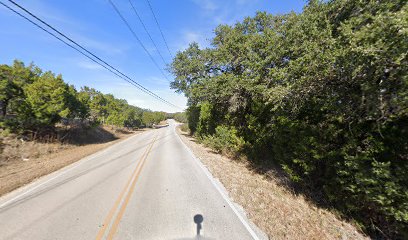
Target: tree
{"points": [[48, 97], [180, 117], [323, 93], [150, 118], [7, 88], [95, 102], [78, 108], [33, 100]]}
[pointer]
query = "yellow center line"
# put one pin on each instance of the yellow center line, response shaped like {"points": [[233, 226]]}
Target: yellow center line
{"points": [[119, 199], [128, 196]]}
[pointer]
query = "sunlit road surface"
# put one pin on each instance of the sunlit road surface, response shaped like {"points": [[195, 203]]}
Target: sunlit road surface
{"points": [[148, 186]]}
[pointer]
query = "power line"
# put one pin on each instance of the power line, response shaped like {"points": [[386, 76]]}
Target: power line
{"points": [[52, 34], [104, 65], [158, 25], [145, 28], [137, 38], [69, 39]]}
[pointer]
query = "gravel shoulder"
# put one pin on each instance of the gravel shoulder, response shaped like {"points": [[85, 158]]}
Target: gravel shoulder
{"points": [[273, 208]]}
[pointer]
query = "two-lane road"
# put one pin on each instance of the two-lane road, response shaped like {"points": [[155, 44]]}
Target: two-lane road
{"points": [[146, 187]]}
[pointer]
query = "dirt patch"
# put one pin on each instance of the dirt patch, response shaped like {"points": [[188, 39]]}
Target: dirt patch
{"points": [[164, 122], [277, 211], [23, 161]]}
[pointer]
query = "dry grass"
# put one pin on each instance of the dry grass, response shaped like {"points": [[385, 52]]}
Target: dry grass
{"points": [[273, 208], [184, 128], [164, 122], [22, 161]]}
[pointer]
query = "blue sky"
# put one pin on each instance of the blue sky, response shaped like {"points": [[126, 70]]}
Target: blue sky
{"points": [[95, 25]]}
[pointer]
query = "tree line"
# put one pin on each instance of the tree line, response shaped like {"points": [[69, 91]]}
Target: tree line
{"points": [[178, 116], [31, 99], [322, 93]]}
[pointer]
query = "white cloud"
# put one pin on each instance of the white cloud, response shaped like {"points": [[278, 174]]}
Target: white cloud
{"points": [[98, 45], [212, 14], [70, 26], [89, 65], [159, 81]]}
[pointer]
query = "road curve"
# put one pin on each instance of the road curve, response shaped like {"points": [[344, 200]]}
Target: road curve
{"points": [[148, 186]]}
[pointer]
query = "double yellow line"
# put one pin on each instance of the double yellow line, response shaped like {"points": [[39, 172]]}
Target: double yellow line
{"points": [[132, 182]]}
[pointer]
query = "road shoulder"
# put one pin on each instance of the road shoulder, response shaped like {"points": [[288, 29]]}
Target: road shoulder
{"points": [[17, 174], [275, 210]]}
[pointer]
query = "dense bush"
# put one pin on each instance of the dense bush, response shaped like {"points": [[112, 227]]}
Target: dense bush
{"points": [[149, 118], [180, 117], [225, 139], [324, 93]]}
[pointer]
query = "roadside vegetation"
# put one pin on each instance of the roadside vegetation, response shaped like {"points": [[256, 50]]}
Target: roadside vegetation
{"points": [[46, 124], [23, 159], [41, 114], [34, 100], [322, 94], [179, 116], [269, 203]]}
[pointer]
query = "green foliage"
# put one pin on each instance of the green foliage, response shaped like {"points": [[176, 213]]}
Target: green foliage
{"points": [[77, 108], [8, 89], [193, 114], [205, 122], [13, 80], [324, 93], [150, 118], [31, 99], [180, 117], [47, 97], [225, 139]]}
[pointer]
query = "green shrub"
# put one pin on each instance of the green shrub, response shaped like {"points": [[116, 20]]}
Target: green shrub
{"points": [[193, 113], [180, 117], [205, 122], [4, 132], [225, 139]]}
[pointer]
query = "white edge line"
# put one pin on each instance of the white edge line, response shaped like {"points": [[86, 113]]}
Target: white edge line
{"points": [[78, 163], [226, 198]]}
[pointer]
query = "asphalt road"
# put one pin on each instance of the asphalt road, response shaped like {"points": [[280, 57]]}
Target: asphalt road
{"points": [[148, 186]]}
